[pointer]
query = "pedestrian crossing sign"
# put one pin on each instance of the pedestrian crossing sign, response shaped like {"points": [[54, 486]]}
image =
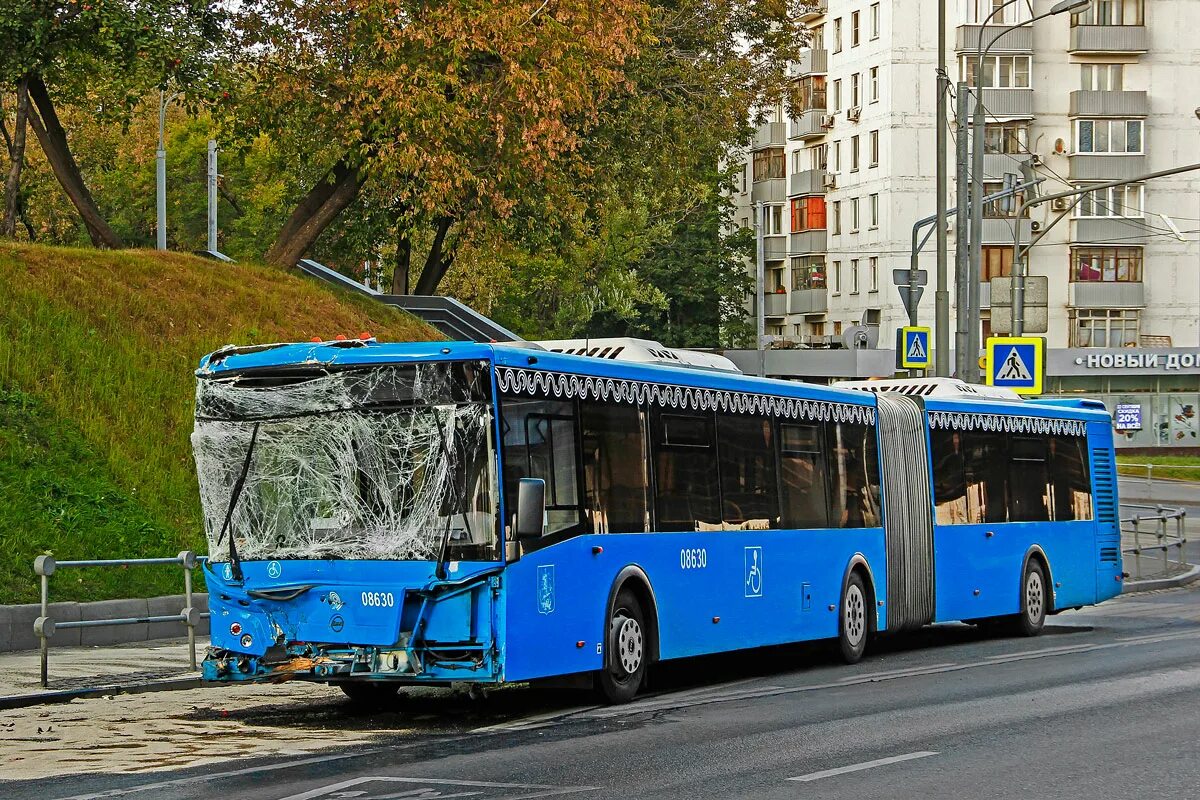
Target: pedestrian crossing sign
{"points": [[914, 348], [1017, 363]]}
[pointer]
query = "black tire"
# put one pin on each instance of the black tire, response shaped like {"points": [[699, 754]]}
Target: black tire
{"points": [[854, 620], [625, 660], [370, 693], [1035, 600]]}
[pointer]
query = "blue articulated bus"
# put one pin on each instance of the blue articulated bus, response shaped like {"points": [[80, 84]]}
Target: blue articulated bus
{"points": [[382, 515]]}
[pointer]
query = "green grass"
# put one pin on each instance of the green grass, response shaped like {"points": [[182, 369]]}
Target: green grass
{"points": [[1162, 466], [98, 348]]}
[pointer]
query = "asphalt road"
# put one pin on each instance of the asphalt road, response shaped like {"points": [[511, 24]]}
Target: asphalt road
{"points": [[1105, 704]]}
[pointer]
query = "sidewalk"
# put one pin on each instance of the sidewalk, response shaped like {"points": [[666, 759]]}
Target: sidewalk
{"points": [[101, 670]]}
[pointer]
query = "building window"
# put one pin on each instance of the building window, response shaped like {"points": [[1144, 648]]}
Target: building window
{"points": [[855, 90], [854, 29], [1102, 77], [1110, 12], [773, 221], [837, 277], [854, 215], [745, 169], [745, 223], [1008, 138], [1115, 201], [854, 276], [874, 140], [1108, 136], [837, 35], [874, 211], [797, 161], [1006, 13], [995, 263], [1106, 264], [812, 93], [769, 164], [835, 100], [808, 272], [873, 264], [1104, 327], [818, 157], [808, 213], [996, 209], [875, 20], [999, 72], [835, 225], [854, 154], [874, 85], [837, 156]]}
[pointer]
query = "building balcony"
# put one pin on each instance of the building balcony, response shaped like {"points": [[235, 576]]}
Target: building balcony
{"points": [[775, 248], [1005, 103], [997, 164], [807, 242], [1104, 167], [1108, 39], [814, 61], [812, 9], [1109, 230], [1017, 40], [773, 190], [809, 301], [808, 124], [999, 230], [811, 181], [775, 304], [1109, 104], [1116, 294], [770, 134]]}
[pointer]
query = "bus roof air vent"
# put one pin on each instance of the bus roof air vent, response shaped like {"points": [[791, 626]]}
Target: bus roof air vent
{"points": [[932, 387], [643, 351]]}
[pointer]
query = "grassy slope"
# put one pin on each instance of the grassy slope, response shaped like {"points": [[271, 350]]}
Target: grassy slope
{"points": [[1183, 468], [96, 359]]}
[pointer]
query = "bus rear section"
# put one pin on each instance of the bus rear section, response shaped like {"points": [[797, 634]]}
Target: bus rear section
{"points": [[351, 514]]}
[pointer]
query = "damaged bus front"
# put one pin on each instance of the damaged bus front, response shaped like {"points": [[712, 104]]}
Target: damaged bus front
{"points": [[351, 514]]}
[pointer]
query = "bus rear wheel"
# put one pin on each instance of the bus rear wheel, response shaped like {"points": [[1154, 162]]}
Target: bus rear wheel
{"points": [[853, 620], [369, 693], [625, 664], [1034, 600]]}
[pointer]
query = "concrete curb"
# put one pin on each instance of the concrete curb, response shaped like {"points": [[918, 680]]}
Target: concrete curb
{"points": [[8, 702], [1152, 584]]}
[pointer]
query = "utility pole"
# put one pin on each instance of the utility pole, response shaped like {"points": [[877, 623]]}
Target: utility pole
{"points": [[212, 196], [760, 318], [160, 159], [961, 267], [970, 369], [941, 331]]}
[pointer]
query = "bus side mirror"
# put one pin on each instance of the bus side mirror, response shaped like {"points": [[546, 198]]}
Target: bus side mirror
{"points": [[531, 508]]}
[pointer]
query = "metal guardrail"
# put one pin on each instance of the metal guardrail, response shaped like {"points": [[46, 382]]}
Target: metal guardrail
{"points": [[44, 626], [1123, 470], [1165, 527]]}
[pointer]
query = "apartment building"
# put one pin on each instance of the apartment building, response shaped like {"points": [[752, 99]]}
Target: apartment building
{"points": [[1106, 94]]}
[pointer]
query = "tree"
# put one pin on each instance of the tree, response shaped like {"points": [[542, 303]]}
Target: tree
{"points": [[65, 47], [451, 111]]}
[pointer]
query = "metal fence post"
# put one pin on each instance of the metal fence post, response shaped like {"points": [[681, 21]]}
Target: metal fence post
{"points": [[1162, 536], [1137, 549], [188, 560], [1150, 480], [43, 626]]}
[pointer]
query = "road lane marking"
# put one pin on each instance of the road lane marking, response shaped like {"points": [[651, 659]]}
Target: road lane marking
{"points": [[525, 791], [895, 673], [879, 762]]}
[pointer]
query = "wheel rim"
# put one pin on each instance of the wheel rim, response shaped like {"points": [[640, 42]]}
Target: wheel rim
{"points": [[1035, 597], [854, 616], [628, 645]]}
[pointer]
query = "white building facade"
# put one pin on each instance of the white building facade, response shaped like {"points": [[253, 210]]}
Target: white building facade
{"points": [[1103, 95]]}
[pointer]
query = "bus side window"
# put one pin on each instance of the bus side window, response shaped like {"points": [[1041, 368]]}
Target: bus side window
{"points": [[1072, 482], [1029, 481], [985, 456], [615, 467], [854, 501], [749, 492], [949, 477], [803, 498], [685, 471], [540, 442]]}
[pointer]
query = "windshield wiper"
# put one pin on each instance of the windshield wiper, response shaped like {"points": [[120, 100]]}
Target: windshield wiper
{"points": [[235, 566], [440, 570]]}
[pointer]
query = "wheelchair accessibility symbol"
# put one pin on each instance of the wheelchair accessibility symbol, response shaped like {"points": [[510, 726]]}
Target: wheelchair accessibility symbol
{"points": [[754, 567]]}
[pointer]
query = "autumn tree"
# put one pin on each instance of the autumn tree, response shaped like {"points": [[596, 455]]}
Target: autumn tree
{"points": [[447, 111], [105, 52]]}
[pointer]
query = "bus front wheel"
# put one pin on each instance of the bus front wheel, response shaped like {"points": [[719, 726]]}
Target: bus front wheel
{"points": [[853, 622], [625, 665]]}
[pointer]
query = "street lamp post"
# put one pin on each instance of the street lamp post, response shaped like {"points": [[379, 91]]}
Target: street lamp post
{"points": [[977, 135], [160, 159]]}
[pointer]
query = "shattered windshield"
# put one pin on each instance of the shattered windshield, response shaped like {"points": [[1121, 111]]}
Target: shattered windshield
{"points": [[368, 463]]}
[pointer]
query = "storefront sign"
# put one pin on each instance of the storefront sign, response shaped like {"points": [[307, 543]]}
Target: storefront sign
{"points": [[1126, 360], [1128, 417], [1168, 361]]}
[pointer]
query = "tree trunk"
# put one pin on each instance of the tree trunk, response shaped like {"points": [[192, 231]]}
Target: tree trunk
{"points": [[53, 140], [403, 258], [16, 152], [437, 264], [316, 211]]}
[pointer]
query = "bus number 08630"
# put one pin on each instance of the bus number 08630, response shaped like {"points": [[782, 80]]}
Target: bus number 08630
{"points": [[379, 599], [693, 558]]}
